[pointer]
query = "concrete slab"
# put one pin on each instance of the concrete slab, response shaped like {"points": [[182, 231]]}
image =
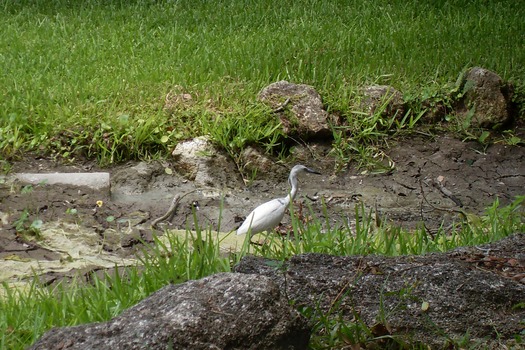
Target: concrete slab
{"points": [[96, 181]]}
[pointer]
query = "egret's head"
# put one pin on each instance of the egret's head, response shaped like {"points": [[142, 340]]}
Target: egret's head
{"points": [[298, 169], [301, 168]]}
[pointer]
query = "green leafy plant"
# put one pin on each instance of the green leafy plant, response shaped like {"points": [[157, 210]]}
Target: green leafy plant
{"points": [[26, 228], [511, 139]]}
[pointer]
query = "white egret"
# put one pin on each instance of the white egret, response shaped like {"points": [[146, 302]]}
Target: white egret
{"points": [[268, 215]]}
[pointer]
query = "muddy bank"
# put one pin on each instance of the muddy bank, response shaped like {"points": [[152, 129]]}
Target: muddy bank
{"points": [[434, 180]]}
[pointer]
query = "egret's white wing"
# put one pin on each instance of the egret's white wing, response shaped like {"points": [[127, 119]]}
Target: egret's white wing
{"points": [[265, 217]]}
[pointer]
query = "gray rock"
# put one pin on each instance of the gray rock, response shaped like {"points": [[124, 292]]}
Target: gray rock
{"points": [[200, 161], [307, 119], [486, 99], [223, 311], [383, 99], [463, 296]]}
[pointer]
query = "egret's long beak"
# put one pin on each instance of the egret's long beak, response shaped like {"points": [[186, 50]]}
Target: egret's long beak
{"points": [[312, 171]]}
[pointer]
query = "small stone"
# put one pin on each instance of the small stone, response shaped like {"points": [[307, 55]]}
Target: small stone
{"points": [[486, 99]]}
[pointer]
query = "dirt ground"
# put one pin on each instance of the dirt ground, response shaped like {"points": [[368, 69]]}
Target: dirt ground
{"points": [[434, 179]]}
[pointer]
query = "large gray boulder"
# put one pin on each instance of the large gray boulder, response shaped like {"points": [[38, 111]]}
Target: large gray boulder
{"points": [[300, 109], [223, 311], [434, 299], [486, 100]]}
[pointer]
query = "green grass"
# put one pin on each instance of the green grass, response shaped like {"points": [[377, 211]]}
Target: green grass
{"points": [[89, 78], [27, 315]]}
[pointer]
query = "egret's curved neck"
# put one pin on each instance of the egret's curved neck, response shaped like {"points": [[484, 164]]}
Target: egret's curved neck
{"points": [[293, 182]]}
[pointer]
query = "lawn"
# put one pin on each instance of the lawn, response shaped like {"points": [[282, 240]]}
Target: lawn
{"points": [[90, 78]]}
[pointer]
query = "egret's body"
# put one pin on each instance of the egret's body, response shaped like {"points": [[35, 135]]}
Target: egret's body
{"points": [[268, 215]]}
